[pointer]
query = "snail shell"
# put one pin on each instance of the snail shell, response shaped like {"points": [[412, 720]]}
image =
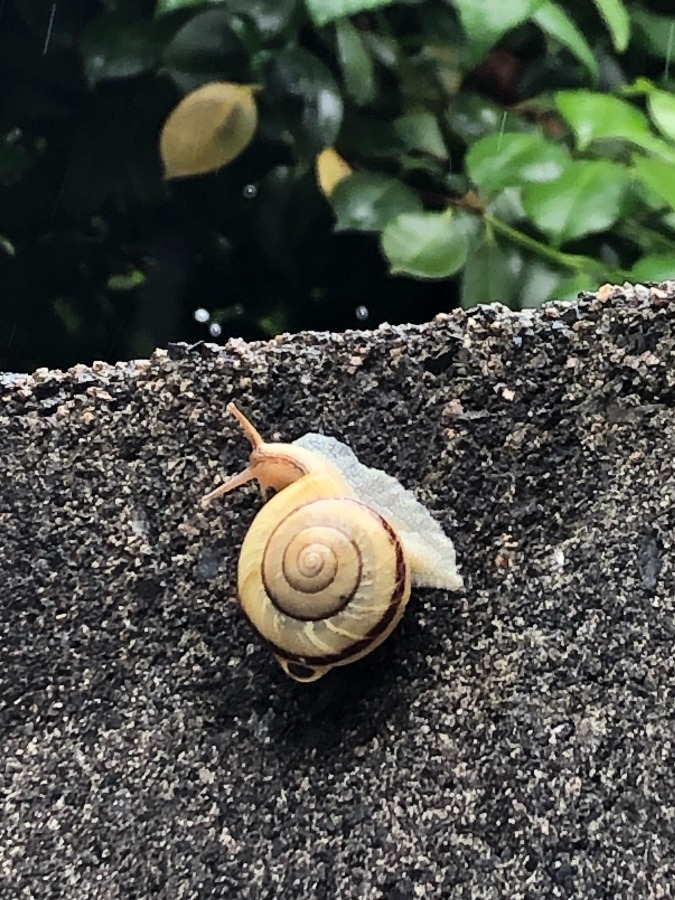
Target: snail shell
{"points": [[324, 577]]}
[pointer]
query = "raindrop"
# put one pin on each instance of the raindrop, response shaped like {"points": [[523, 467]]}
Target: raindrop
{"points": [[249, 191], [201, 315], [49, 29], [361, 313], [215, 329]]}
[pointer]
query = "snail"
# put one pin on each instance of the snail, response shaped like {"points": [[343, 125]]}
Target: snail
{"points": [[326, 568]]}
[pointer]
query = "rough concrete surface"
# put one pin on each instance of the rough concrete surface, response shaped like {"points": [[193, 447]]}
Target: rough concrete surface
{"points": [[513, 741]]}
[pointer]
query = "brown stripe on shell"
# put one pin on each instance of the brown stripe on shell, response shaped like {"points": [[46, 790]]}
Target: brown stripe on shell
{"points": [[377, 629], [344, 600]]}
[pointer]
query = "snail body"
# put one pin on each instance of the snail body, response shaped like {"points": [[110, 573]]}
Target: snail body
{"points": [[325, 570]]}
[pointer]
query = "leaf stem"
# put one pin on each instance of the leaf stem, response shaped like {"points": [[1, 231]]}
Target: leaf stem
{"points": [[573, 261]]}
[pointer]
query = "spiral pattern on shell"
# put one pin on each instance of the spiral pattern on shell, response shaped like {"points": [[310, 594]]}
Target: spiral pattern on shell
{"points": [[330, 583]]}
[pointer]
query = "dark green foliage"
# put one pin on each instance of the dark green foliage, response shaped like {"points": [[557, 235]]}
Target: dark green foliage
{"points": [[508, 151]]}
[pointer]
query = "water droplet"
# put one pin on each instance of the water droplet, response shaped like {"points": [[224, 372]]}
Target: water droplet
{"points": [[249, 191], [361, 313], [201, 315], [215, 329]]}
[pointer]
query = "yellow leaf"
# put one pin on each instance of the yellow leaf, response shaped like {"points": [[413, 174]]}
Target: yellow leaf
{"points": [[208, 129], [331, 169]]}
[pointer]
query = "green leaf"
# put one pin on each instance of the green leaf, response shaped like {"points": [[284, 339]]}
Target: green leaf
{"points": [[413, 133], [657, 33], [270, 17], [7, 246], [368, 202], [169, 6], [303, 98], [594, 116], [537, 282], [420, 132], [588, 197], [657, 175], [658, 147], [323, 11], [500, 160], [508, 205], [14, 158], [485, 21], [356, 63], [570, 288], [654, 267], [661, 105], [425, 244], [275, 322], [208, 45], [555, 22], [112, 48], [471, 117], [126, 282], [639, 87], [617, 20], [489, 274]]}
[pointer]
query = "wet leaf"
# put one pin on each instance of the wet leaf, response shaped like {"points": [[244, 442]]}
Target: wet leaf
{"points": [[208, 45], [501, 160], [425, 244], [593, 116], [570, 288], [356, 63], [617, 20], [472, 117], [208, 129], [654, 31], [114, 49], [484, 22], [654, 267], [7, 246], [554, 21], [490, 274], [127, 281], [537, 281], [323, 11], [661, 105], [420, 132], [588, 197], [367, 201], [657, 175], [169, 6], [303, 98], [270, 17]]}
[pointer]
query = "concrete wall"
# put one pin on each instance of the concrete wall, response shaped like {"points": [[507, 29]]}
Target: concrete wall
{"points": [[515, 740]]}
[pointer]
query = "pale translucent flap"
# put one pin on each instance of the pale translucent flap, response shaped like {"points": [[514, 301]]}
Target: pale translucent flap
{"points": [[430, 551]]}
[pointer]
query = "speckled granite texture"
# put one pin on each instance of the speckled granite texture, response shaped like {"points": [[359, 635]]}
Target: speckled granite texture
{"points": [[513, 741]]}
